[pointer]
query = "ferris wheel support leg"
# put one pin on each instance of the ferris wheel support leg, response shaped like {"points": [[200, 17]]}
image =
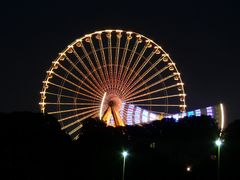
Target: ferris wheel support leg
{"points": [[117, 118]]}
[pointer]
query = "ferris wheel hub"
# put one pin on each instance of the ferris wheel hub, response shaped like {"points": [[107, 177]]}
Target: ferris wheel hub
{"points": [[113, 100]]}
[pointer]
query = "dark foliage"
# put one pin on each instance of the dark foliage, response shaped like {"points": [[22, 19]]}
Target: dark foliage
{"points": [[230, 156], [34, 147]]}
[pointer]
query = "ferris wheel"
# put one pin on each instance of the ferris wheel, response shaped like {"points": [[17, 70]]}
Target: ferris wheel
{"points": [[122, 77]]}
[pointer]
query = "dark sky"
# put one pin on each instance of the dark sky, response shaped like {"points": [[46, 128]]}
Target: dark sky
{"points": [[201, 37]]}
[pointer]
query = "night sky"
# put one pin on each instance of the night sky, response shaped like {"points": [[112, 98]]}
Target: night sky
{"points": [[203, 38]]}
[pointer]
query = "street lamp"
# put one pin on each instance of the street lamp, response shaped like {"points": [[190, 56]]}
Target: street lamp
{"points": [[219, 143], [124, 154]]}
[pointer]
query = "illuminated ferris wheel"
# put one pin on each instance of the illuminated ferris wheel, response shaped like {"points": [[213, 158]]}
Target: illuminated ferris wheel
{"points": [[122, 77]]}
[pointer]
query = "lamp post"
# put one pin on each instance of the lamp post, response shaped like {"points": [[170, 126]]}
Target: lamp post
{"points": [[124, 154], [218, 143]]}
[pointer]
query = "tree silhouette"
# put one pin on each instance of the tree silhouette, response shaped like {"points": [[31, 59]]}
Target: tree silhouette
{"points": [[34, 147]]}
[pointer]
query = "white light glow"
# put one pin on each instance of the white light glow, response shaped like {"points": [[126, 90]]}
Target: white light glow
{"points": [[145, 116], [125, 153], [122, 110], [101, 108], [188, 168], [222, 116], [130, 114], [176, 117], [210, 111], [153, 117], [218, 142], [198, 112], [137, 115]]}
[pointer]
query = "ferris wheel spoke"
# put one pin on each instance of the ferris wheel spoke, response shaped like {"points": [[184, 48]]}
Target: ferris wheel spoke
{"points": [[70, 97], [69, 104], [129, 37], [80, 87], [157, 98], [129, 62], [130, 90], [71, 110], [71, 90], [128, 87], [137, 61], [110, 57], [125, 112], [76, 92], [118, 43], [100, 43], [76, 115], [98, 64], [153, 92], [79, 120], [82, 82], [151, 85], [90, 62], [75, 130], [80, 126], [139, 70], [83, 75], [160, 105], [86, 68]]}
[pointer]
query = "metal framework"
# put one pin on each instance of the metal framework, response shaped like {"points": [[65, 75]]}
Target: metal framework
{"points": [[99, 72]]}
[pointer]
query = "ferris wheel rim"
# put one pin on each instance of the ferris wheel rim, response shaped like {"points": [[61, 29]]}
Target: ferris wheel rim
{"points": [[96, 96]]}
